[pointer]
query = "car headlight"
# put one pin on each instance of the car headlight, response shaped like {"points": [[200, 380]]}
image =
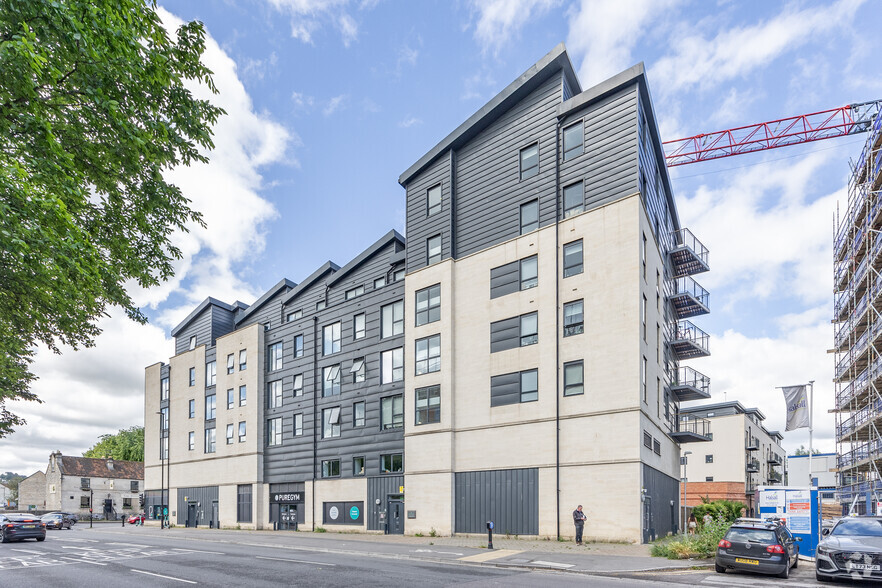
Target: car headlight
{"points": [[824, 550]]}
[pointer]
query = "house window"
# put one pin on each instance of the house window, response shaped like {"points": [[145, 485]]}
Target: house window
{"points": [[231, 399], [574, 199], [643, 316], [529, 329], [85, 483], [574, 318], [433, 249], [379, 282], [428, 305], [84, 502], [357, 370], [529, 161], [573, 136], [391, 464], [331, 338], [514, 388], [163, 448], [127, 503], [358, 326], [230, 434], [163, 419], [392, 322], [709, 458], [392, 363], [643, 367], [398, 275], [243, 503], [294, 315], [643, 255], [572, 258], [298, 345], [331, 380], [428, 405], [210, 440], [192, 441], [433, 198], [210, 373], [392, 412], [358, 414], [428, 355], [354, 292], [192, 342], [298, 385], [529, 386], [274, 356], [163, 389], [241, 431], [320, 305], [298, 425], [656, 446], [274, 431], [243, 360], [358, 465], [210, 407], [192, 376], [274, 394], [243, 395], [529, 216], [529, 272], [330, 468], [647, 440], [192, 408], [330, 422], [574, 378], [133, 486], [231, 363]]}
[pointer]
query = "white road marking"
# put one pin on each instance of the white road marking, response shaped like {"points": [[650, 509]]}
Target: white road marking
{"points": [[434, 551], [197, 551], [166, 577], [78, 560], [550, 564], [730, 579], [128, 544], [29, 551], [78, 547], [317, 563]]}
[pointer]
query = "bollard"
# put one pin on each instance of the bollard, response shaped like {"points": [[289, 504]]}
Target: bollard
{"points": [[489, 534], [123, 519]]}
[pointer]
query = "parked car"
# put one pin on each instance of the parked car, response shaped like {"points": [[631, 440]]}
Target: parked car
{"points": [[852, 549], [765, 548], [136, 518], [55, 520], [18, 527], [70, 517]]}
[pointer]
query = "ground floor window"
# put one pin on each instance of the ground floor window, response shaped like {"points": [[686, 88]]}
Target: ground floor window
{"points": [[84, 502], [243, 503], [390, 464], [127, 503]]}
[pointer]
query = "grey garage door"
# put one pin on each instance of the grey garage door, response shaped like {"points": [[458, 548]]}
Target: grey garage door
{"points": [[509, 498]]}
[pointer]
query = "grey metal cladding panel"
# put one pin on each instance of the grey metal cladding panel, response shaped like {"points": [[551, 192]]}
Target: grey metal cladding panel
{"points": [[609, 166], [509, 498], [380, 487], [201, 327], [505, 389], [505, 279], [269, 313], [375, 267], [662, 490], [505, 334], [203, 495], [420, 226], [222, 322], [660, 215]]}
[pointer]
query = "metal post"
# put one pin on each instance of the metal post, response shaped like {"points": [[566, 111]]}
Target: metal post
{"points": [[489, 534], [811, 422], [91, 506]]}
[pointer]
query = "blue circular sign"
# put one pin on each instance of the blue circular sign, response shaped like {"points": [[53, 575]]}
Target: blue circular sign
{"points": [[353, 513]]}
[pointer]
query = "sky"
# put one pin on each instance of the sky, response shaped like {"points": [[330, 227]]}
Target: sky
{"points": [[329, 101]]}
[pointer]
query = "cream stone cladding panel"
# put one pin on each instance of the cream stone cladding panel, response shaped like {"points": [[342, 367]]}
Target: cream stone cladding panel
{"points": [[341, 490], [227, 503], [610, 498], [727, 447], [180, 393], [152, 474], [431, 496]]}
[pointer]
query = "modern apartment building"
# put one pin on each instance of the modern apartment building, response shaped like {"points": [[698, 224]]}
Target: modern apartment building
{"points": [[521, 356], [741, 455]]}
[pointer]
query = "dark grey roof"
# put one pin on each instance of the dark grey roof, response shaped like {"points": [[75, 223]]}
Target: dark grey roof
{"points": [[329, 266], [197, 311], [739, 408], [283, 284], [365, 255], [540, 71]]}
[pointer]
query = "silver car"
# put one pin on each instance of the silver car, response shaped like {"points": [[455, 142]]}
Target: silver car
{"points": [[852, 549]]}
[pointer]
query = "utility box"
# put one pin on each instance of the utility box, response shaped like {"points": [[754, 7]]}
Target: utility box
{"points": [[798, 508]]}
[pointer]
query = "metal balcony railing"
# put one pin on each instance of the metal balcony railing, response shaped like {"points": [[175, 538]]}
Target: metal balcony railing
{"points": [[752, 466], [688, 255], [689, 298], [775, 477], [692, 429], [861, 452], [775, 459], [751, 444], [690, 384], [857, 419], [689, 341]]}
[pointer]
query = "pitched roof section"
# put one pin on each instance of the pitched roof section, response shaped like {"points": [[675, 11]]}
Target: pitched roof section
{"points": [[365, 255], [281, 285], [199, 309], [329, 267], [87, 467], [540, 71]]}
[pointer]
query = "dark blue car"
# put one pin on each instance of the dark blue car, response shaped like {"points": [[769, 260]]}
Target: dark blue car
{"points": [[18, 527]]}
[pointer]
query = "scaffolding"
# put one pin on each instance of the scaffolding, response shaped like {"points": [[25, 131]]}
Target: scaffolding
{"points": [[857, 333]]}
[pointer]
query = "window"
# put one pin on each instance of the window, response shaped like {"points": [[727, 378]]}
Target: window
{"points": [[379, 282], [231, 363], [529, 329], [358, 414], [321, 305], [243, 503], [163, 448], [428, 405], [656, 446], [331, 338], [572, 258], [358, 465], [163, 419], [85, 483], [330, 468], [243, 360], [643, 316], [274, 357], [643, 367], [231, 399], [709, 458], [210, 440], [529, 161], [331, 380], [294, 315], [391, 464], [529, 386], [274, 431], [643, 255], [433, 249], [357, 370], [330, 422], [163, 389], [428, 355], [647, 440], [574, 378], [392, 319], [298, 385], [529, 272], [514, 388], [398, 275], [230, 434], [274, 394], [433, 199], [210, 407], [192, 376], [573, 136], [192, 441], [192, 342], [127, 503], [529, 216], [392, 364], [84, 502], [574, 318], [298, 345], [210, 373], [298, 425], [192, 408], [354, 292], [358, 326], [428, 305], [243, 395], [392, 412], [574, 199], [241, 431]]}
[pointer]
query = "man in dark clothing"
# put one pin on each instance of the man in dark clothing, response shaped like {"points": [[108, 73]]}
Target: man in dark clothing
{"points": [[579, 520]]}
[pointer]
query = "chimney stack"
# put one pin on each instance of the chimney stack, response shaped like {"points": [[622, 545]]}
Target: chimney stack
{"points": [[110, 463]]}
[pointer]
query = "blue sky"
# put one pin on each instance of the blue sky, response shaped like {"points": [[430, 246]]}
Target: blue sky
{"points": [[329, 101]]}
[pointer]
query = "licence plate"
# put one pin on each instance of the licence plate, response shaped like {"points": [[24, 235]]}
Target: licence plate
{"points": [[28, 526], [753, 562], [861, 566]]}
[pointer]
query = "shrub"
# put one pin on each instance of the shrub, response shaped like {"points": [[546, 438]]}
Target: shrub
{"points": [[321, 530], [702, 544]]}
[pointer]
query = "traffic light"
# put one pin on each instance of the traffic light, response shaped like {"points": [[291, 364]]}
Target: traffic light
{"points": [[141, 500]]}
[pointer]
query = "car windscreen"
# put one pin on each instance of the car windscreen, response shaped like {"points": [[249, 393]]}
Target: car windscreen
{"points": [[853, 527], [763, 536]]}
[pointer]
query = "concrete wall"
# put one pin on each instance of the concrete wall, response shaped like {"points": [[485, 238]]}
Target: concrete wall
{"points": [[32, 491]]}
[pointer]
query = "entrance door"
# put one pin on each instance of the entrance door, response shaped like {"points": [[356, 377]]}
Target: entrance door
{"points": [[285, 522], [214, 521], [648, 526], [191, 515], [395, 517]]}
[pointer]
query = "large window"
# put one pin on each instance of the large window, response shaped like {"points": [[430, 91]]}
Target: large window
{"points": [[274, 357], [358, 326], [298, 385], [243, 503], [231, 398], [210, 440], [573, 137], [428, 355], [274, 394], [298, 345], [514, 388], [358, 414], [433, 249], [573, 378], [331, 380], [529, 272], [274, 431], [391, 464], [529, 385], [330, 422], [572, 258], [428, 405], [330, 468], [529, 329], [210, 373], [392, 412], [241, 431], [231, 363], [163, 419], [331, 338], [428, 305], [243, 360], [392, 365], [230, 434], [298, 424], [574, 199], [357, 370], [163, 389], [243, 395], [210, 407], [433, 197], [529, 159], [529, 216], [574, 318], [392, 319]]}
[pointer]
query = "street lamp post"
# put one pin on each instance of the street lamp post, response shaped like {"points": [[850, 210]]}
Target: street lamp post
{"points": [[686, 455], [162, 473]]}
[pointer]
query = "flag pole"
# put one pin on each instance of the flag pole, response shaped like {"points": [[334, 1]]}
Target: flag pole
{"points": [[811, 423]]}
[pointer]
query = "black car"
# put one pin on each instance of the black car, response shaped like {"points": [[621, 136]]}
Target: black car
{"points": [[852, 549], [70, 517], [18, 527], [55, 520], [765, 548]]}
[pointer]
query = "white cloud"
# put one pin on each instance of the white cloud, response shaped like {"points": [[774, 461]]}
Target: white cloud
{"points": [[477, 85], [500, 21], [308, 17], [302, 101], [348, 29], [335, 104], [409, 122]]}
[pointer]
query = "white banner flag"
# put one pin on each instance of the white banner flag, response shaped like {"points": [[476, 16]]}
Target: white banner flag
{"points": [[797, 407]]}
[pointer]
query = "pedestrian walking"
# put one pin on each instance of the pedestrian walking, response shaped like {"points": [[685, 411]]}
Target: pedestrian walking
{"points": [[707, 519], [693, 524], [579, 520]]}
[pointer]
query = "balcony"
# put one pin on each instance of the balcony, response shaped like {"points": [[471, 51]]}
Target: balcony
{"points": [[690, 385], [690, 342], [751, 444], [774, 459], [689, 299], [774, 478], [752, 466], [692, 429], [688, 255]]}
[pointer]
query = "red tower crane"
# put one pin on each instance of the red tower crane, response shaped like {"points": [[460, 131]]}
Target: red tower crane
{"points": [[805, 128]]}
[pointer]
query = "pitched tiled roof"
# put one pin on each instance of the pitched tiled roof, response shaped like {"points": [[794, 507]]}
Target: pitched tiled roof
{"points": [[87, 467]]}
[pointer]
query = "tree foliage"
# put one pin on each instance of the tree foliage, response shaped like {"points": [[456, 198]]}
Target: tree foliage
{"points": [[127, 445], [12, 480], [93, 110], [803, 451]]}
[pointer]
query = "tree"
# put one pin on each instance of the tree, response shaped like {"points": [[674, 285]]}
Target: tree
{"points": [[127, 445], [12, 481], [93, 110], [803, 451]]}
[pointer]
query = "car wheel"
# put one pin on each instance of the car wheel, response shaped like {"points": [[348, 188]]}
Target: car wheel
{"points": [[5, 538], [719, 569], [796, 561], [786, 573], [43, 538]]}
